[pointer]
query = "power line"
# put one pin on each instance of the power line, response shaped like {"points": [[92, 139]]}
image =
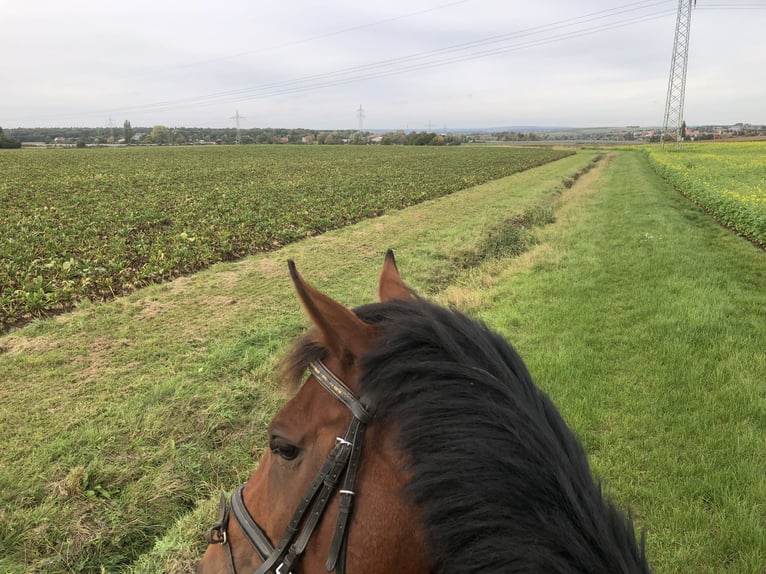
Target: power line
{"points": [[325, 35], [566, 29], [731, 7], [423, 60]]}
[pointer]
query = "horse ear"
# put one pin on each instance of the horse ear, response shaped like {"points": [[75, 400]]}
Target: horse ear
{"points": [[391, 285], [341, 332]]}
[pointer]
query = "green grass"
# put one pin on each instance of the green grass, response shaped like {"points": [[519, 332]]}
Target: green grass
{"points": [[96, 223], [647, 327], [641, 317]]}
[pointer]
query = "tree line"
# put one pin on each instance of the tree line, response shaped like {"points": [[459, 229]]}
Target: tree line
{"points": [[163, 135]]}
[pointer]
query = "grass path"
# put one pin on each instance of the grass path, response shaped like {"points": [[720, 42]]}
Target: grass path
{"points": [[642, 318], [646, 322]]}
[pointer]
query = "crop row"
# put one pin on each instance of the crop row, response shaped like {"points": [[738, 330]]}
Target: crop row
{"points": [[99, 222], [727, 179]]}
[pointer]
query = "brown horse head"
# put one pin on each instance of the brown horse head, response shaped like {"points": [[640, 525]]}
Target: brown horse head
{"points": [[418, 443], [383, 533]]}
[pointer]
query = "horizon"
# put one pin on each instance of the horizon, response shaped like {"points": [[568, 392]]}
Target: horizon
{"points": [[475, 129]]}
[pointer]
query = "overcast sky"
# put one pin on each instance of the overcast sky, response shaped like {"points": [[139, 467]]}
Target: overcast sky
{"points": [[410, 64]]}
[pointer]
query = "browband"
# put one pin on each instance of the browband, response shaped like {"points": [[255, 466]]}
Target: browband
{"points": [[341, 392]]}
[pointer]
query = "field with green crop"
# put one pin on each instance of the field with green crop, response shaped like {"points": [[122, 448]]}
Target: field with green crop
{"points": [[95, 223], [727, 179]]}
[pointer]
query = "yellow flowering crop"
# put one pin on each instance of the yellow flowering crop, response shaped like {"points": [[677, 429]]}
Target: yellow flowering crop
{"points": [[726, 179]]}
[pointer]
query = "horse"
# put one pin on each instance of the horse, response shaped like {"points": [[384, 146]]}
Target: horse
{"points": [[416, 442]]}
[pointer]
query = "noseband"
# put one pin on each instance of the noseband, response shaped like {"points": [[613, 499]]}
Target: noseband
{"points": [[344, 457]]}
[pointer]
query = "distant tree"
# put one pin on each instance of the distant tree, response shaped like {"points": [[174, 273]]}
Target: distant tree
{"points": [[127, 132], [8, 142], [160, 135], [295, 136], [394, 138], [453, 139], [333, 138], [437, 140], [420, 138]]}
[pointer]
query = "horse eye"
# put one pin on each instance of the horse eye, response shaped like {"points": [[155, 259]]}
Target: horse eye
{"points": [[284, 449]]}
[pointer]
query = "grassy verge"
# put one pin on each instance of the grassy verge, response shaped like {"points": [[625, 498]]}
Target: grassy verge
{"points": [[120, 418]]}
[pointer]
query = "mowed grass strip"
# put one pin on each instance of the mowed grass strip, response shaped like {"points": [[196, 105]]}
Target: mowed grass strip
{"points": [[646, 323], [95, 223], [119, 418]]}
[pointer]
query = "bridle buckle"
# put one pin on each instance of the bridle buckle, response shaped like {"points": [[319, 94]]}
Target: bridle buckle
{"points": [[217, 535]]}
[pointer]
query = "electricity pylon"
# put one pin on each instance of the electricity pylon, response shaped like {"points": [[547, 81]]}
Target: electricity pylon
{"points": [[360, 117], [237, 117], [674, 104]]}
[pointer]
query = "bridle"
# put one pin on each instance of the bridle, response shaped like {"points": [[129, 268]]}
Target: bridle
{"points": [[344, 457]]}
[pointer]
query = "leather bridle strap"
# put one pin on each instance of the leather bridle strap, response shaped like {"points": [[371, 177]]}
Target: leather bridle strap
{"points": [[286, 552], [217, 534], [252, 531], [337, 553], [340, 391], [344, 456]]}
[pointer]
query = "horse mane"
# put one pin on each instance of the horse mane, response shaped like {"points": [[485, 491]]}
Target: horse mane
{"points": [[502, 484]]}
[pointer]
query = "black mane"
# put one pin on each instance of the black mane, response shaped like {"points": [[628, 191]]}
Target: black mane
{"points": [[502, 483]]}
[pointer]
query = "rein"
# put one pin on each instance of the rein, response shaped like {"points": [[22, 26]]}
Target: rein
{"points": [[343, 458]]}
